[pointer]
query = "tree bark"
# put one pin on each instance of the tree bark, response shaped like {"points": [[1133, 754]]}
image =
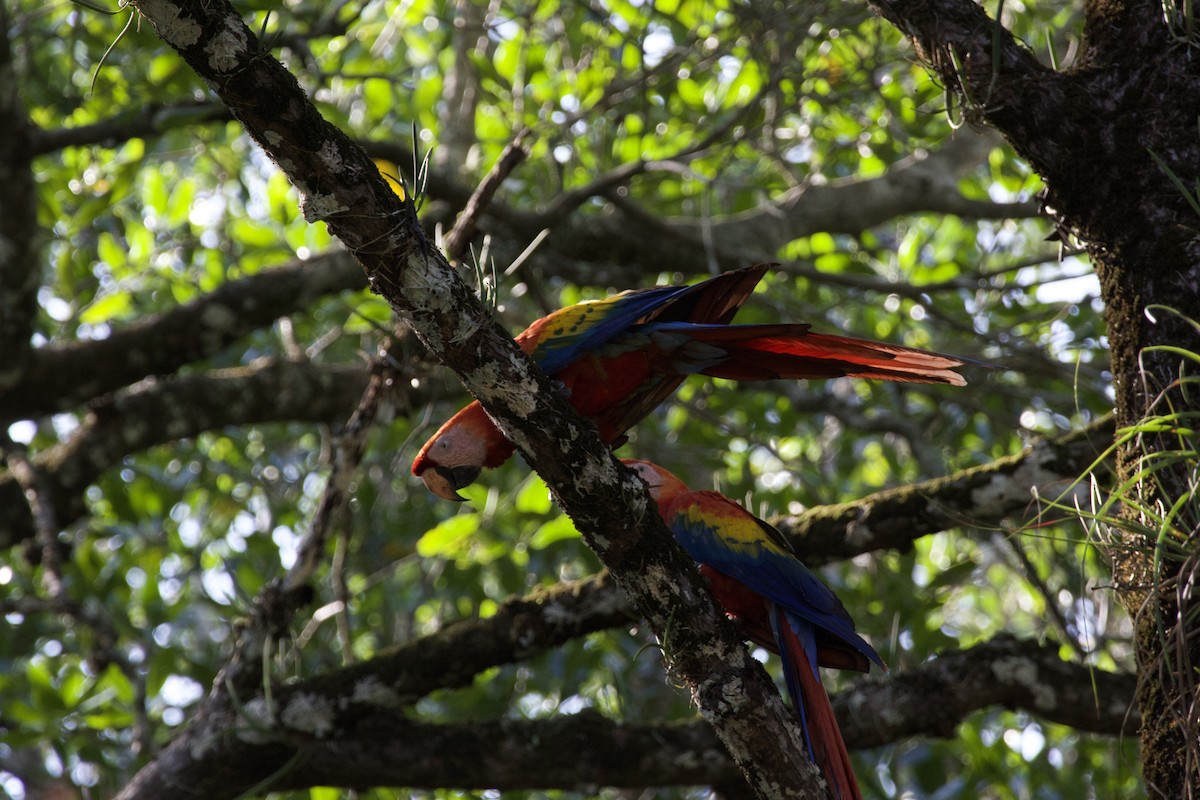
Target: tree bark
{"points": [[19, 275], [1115, 139]]}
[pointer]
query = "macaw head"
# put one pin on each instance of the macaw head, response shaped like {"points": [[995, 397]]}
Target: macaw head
{"points": [[663, 485], [454, 456]]}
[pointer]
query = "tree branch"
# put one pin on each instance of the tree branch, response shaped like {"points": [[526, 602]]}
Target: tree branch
{"points": [[349, 448], [345, 728], [141, 122], [983, 496], [450, 658], [162, 411], [1002, 84], [577, 752], [920, 183], [460, 235], [62, 375], [932, 699]]}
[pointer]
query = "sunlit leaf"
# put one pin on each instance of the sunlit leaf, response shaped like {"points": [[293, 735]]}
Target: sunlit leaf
{"points": [[450, 538], [109, 307]]}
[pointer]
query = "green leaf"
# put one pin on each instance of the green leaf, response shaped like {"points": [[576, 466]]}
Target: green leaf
{"points": [[534, 497], [553, 531], [110, 251], [449, 539], [183, 192], [154, 191], [107, 308], [252, 233]]}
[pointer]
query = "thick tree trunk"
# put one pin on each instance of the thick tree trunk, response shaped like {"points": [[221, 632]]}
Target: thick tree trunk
{"points": [[19, 278], [1115, 138]]}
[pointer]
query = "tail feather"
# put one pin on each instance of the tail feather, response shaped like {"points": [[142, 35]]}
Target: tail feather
{"points": [[797, 643], [766, 352]]}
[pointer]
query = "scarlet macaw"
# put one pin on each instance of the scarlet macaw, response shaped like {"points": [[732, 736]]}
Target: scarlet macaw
{"points": [[780, 604], [618, 358]]}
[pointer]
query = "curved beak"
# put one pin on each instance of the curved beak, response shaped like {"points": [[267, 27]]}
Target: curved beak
{"points": [[446, 481]]}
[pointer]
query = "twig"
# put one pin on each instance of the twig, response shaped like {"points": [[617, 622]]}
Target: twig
{"points": [[341, 592], [348, 455], [456, 240], [1013, 546], [36, 491]]}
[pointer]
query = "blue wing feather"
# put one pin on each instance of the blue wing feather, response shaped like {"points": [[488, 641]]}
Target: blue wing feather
{"points": [[808, 640], [584, 327], [718, 532], [567, 334]]}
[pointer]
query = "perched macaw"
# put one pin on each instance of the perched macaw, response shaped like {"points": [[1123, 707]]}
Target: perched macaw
{"points": [[780, 604], [618, 358]]}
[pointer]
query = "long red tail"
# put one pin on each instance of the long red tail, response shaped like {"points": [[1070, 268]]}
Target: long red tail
{"points": [[766, 352], [825, 744]]}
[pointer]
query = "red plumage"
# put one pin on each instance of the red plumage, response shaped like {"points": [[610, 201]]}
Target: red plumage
{"points": [[828, 748], [779, 603], [617, 359]]}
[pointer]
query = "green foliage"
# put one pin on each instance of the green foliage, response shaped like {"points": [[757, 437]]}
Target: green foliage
{"points": [[742, 103]]}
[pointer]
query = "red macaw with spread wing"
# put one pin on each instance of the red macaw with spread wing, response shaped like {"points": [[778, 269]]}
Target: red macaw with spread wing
{"points": [[780, 604], [618, 358]]}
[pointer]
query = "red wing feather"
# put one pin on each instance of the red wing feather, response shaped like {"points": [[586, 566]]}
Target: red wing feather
{"points": [[719, 302]]}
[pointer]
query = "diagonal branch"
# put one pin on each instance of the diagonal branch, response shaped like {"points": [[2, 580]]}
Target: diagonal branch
{"points": [[349, 448], [467, 223], [997, 78], [341, 187]]}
